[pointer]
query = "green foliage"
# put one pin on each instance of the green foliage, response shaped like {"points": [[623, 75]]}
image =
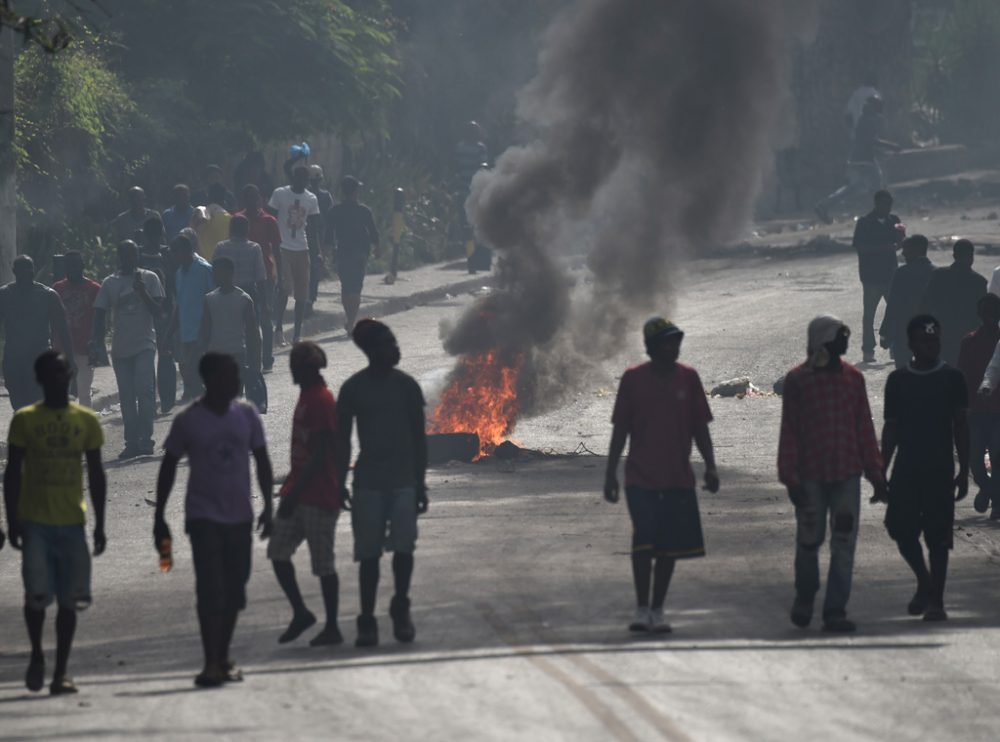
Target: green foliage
{"points": [[959, 70]]}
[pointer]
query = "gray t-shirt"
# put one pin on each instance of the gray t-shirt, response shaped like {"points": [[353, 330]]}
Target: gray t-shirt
{"points": [[248, 259], [25, 311], [387, 407], [228, 314], [133, 323]]}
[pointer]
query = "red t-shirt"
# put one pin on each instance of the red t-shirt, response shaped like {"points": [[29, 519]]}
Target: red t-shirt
{"points": [[660, 415], [264, 231], [78, 300], [316, 412]]}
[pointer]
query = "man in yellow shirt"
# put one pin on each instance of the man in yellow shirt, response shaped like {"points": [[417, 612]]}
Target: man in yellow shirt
{"points": [[46, 511]]}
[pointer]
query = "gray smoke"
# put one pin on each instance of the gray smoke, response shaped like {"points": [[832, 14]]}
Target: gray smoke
{"points": [[653, 123]]}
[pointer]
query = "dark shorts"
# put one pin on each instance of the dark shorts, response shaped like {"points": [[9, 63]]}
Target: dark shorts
{"points": [[383, 520], [351, 268], [55, 565], [924, 507], [665, 522], [221, 553]]}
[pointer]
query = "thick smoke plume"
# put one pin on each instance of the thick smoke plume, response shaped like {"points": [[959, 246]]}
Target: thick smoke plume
{"points": [[652, 125]]}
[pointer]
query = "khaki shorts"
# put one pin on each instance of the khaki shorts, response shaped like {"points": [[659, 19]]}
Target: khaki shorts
{"points": [[295, 273]]}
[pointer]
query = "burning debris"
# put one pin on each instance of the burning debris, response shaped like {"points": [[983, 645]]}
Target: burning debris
{"points": [[653, 125]]}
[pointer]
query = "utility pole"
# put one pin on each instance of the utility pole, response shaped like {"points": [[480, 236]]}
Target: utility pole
{"points": [[8, 162]]}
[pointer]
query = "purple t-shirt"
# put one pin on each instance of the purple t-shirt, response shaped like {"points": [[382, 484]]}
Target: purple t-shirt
{"points": [[218, 448]]}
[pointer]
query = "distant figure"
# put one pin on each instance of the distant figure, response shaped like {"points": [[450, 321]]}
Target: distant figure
{"points": [[903, 302], [217, 434], [264, 231], [299, 221], [356, 235], [856, 103], [78, 294], [229, 322], [864, 174], [952, 296], [310, 498], [975, 356], [47, 514], [154, 255], [470, 155], [877, 237], [210, 193], [390, 488], [128, 224], [252, 170], [134, 296], [324, 241], [211, 222], [660, 409], [31, 314], [177, 217], [926, 424], [248, 258], [827, 441], [194, 279]]}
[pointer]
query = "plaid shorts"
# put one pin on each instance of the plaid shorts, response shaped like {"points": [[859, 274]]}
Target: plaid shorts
{"points": [[315, 526]]}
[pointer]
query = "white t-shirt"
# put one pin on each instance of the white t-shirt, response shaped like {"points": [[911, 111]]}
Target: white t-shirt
{"points": [[293, 211]]}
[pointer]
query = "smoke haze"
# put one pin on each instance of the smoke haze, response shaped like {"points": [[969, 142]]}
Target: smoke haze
{"points": [[653, 124]]}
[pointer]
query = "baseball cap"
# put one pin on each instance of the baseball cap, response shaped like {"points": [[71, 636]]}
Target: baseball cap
{"points": [[658, 327]]}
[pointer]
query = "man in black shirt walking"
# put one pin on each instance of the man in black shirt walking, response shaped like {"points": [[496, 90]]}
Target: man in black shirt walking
{"points": [[355, 233], [877, 237], [952, 295], [926, 422]]}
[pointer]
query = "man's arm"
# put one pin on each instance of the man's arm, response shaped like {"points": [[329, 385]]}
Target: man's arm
{"points": [[314, 227], [374, 235], [419, 433], [960, 424], [703, 440], [788, 439], [265, 480], [992, 375], [345, 422], [60, 327], [251, 329], [152, 303], [164, 483], [619, 435], [98, 496], [11, 492], [205, 331]]}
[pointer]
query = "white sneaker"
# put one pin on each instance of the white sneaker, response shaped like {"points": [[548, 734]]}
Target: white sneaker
{"points": [[658, 623], [640, 622]]}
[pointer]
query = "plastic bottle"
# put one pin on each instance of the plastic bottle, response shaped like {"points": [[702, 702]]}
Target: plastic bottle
{"points": [[166, 555]]}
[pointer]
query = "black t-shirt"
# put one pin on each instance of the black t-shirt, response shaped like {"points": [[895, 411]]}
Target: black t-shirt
{"points": [[923, 404], [353, 227], [387, 408], [866, 135]]}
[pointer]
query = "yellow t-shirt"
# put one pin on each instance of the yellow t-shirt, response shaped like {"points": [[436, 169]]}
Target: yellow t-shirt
{"points": [[212, 232], [54, 442]]}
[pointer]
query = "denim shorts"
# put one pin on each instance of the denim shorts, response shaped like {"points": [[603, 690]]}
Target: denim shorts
{"points": [[384, 520], [55, 565], [665, 522]]}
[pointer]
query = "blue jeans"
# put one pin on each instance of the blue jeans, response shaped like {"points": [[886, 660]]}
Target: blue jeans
{"points": [[984, 431], [840, 502], [136, 376]]}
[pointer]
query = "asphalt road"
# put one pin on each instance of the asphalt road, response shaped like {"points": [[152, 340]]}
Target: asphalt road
{"points": [[522, 589]]}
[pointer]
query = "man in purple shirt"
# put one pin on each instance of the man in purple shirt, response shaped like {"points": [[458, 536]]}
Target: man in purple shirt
{"points": [[218, 434]]}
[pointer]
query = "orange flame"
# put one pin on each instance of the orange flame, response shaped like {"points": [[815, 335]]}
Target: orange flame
{"points": [[481, 398]]}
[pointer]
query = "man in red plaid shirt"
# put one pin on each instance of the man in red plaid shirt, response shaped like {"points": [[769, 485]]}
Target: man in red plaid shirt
{"points": [[827, 442]]}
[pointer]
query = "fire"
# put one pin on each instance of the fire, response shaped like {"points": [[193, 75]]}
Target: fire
{"points": [[481, 398]]}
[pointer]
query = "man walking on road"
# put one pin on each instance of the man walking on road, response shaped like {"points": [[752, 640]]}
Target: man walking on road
{"points": [[229, 323], [128, 225], [250, 273], [926, 423], [30, 314], [952, 296], [194, 280], [264, 231], [390, 488], [299, 221], [827, 442], [310, 498], [325, 238], [78, 294], [47, 514], [178, 216], [905, 294], [877, 237], [978, 349], [133, 295], [218, 434], [355, 233], [660, 409]]}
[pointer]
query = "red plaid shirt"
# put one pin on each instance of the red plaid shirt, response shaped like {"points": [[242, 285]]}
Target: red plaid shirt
{"points": [[827, 434]]}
